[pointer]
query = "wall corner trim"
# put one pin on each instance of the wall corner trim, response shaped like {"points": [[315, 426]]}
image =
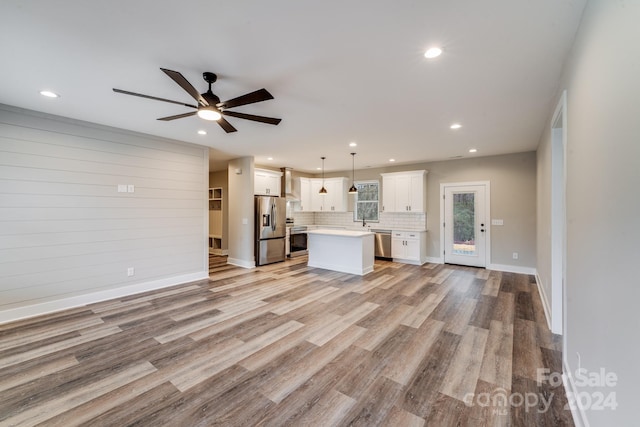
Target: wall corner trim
{"points": [[577, 411], [545, 301]]}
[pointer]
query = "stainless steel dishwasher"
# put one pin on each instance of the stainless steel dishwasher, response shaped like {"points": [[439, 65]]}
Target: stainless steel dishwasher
{"points": [[383, 243]]}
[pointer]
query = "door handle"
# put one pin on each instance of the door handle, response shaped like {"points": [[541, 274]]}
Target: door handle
{"points": [[274, 212]]}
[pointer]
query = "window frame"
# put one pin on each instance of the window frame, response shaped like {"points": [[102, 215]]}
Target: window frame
{"points": [[356, 202]]}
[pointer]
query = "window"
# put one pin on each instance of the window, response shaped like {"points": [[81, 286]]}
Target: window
{"points": [[367, 201]]}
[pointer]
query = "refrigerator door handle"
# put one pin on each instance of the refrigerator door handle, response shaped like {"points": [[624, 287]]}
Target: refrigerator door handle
{"points": [[274, 215]]}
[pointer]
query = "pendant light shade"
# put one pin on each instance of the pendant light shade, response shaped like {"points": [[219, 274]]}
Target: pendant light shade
{"points": [[353, 189], [323, 191]]}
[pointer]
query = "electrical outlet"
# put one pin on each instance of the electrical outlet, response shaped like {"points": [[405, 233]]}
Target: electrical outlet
{"points": [[130, 271], [515, 255], [131, 188]]}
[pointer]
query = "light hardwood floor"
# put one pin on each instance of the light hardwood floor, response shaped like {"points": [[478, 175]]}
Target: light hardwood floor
{"points": [[285, 344]]}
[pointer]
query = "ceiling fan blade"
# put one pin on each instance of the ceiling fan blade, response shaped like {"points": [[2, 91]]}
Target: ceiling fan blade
{"points": [[178, 116], [184, 84], [249, 98], [228, 128], [126, 92], [261, 119]]}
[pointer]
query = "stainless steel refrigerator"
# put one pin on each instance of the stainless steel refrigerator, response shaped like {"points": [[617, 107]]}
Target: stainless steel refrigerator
{"points": [[270, 229]]}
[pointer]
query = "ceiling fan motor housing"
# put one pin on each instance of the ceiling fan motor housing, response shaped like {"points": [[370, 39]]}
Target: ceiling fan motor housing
{"points": [[209, 77]]}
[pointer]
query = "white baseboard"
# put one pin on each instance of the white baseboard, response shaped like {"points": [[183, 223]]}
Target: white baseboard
{"points": [[577, 412], [33, 310], [435, 260], [341, 268], [545, 301], [512, 269], [241, 263], [407, 261]]}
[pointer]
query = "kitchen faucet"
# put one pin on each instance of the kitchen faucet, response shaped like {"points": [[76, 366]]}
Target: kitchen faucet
{"points": [[364, 224]]}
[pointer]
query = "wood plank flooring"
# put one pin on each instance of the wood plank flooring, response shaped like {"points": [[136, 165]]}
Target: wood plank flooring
{"points": [[284, 344]]}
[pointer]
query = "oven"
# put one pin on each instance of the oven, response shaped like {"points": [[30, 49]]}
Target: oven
{"points": [[298, 241]]}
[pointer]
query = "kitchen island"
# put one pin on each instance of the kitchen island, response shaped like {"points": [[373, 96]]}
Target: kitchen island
{"points": [[347, 251]]}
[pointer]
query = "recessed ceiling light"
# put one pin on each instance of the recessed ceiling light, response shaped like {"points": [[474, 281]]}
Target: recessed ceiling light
{"points": [[392, 160], [352, 144], [269, 158], [473, 150], [318, 169], [455, 126], [202, 132], [433, 52], [49, 94]]}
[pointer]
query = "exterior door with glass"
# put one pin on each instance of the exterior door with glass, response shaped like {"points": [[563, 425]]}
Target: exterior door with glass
{"points": [[465, 228]]}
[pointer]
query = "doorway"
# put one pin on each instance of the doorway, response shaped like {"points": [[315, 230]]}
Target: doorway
{"points": [[465, 231]]}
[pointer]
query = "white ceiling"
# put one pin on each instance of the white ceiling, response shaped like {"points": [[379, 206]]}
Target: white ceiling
{"points": [[339, 71]]}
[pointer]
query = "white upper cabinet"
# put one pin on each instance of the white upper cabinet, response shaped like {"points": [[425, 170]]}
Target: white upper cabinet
{"points": [[404, 191], [317, 201], [305, 195], [336, 198], [334, 201], [266, 182]]}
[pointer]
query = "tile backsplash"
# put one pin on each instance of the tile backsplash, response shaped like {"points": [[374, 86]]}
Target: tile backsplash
{"points": [[391, 221]]}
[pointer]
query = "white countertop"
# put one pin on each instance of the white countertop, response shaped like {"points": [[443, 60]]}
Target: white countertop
{"points": [[343, 233], [358, 228]]}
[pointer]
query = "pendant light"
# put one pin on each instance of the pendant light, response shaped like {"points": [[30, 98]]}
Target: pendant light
{"points": [[353, 189], [323, 191]]}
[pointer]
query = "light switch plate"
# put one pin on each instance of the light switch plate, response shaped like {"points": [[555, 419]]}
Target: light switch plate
{"points": [[497, 222], [131, 188], [122, 188]]}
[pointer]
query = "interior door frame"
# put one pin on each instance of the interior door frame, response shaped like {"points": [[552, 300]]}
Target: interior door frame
{"points": [[558, 321], [487, 209]]}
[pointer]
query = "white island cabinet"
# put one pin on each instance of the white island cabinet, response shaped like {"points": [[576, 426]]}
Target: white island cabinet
{"points": [[347, 251]]}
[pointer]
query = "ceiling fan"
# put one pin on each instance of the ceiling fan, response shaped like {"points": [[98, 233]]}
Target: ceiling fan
{"points": [[209, 105]]}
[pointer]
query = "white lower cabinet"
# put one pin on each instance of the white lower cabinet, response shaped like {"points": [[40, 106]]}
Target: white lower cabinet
{"points": [[409, 246]]}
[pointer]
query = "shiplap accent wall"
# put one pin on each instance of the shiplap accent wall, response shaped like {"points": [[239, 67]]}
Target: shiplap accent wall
{"points": [[68, 237]]}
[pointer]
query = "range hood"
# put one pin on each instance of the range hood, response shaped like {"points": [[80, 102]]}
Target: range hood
{"points": [[287, 188]]}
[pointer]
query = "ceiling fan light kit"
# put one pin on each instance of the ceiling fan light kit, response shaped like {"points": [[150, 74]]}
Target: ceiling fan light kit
{"points": [[209, 105], [209, 114]]}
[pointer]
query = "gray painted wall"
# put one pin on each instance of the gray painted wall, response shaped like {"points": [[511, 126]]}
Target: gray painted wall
{"points": [[241, 209], [513, 199], [67, 236], [603, 163]]}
